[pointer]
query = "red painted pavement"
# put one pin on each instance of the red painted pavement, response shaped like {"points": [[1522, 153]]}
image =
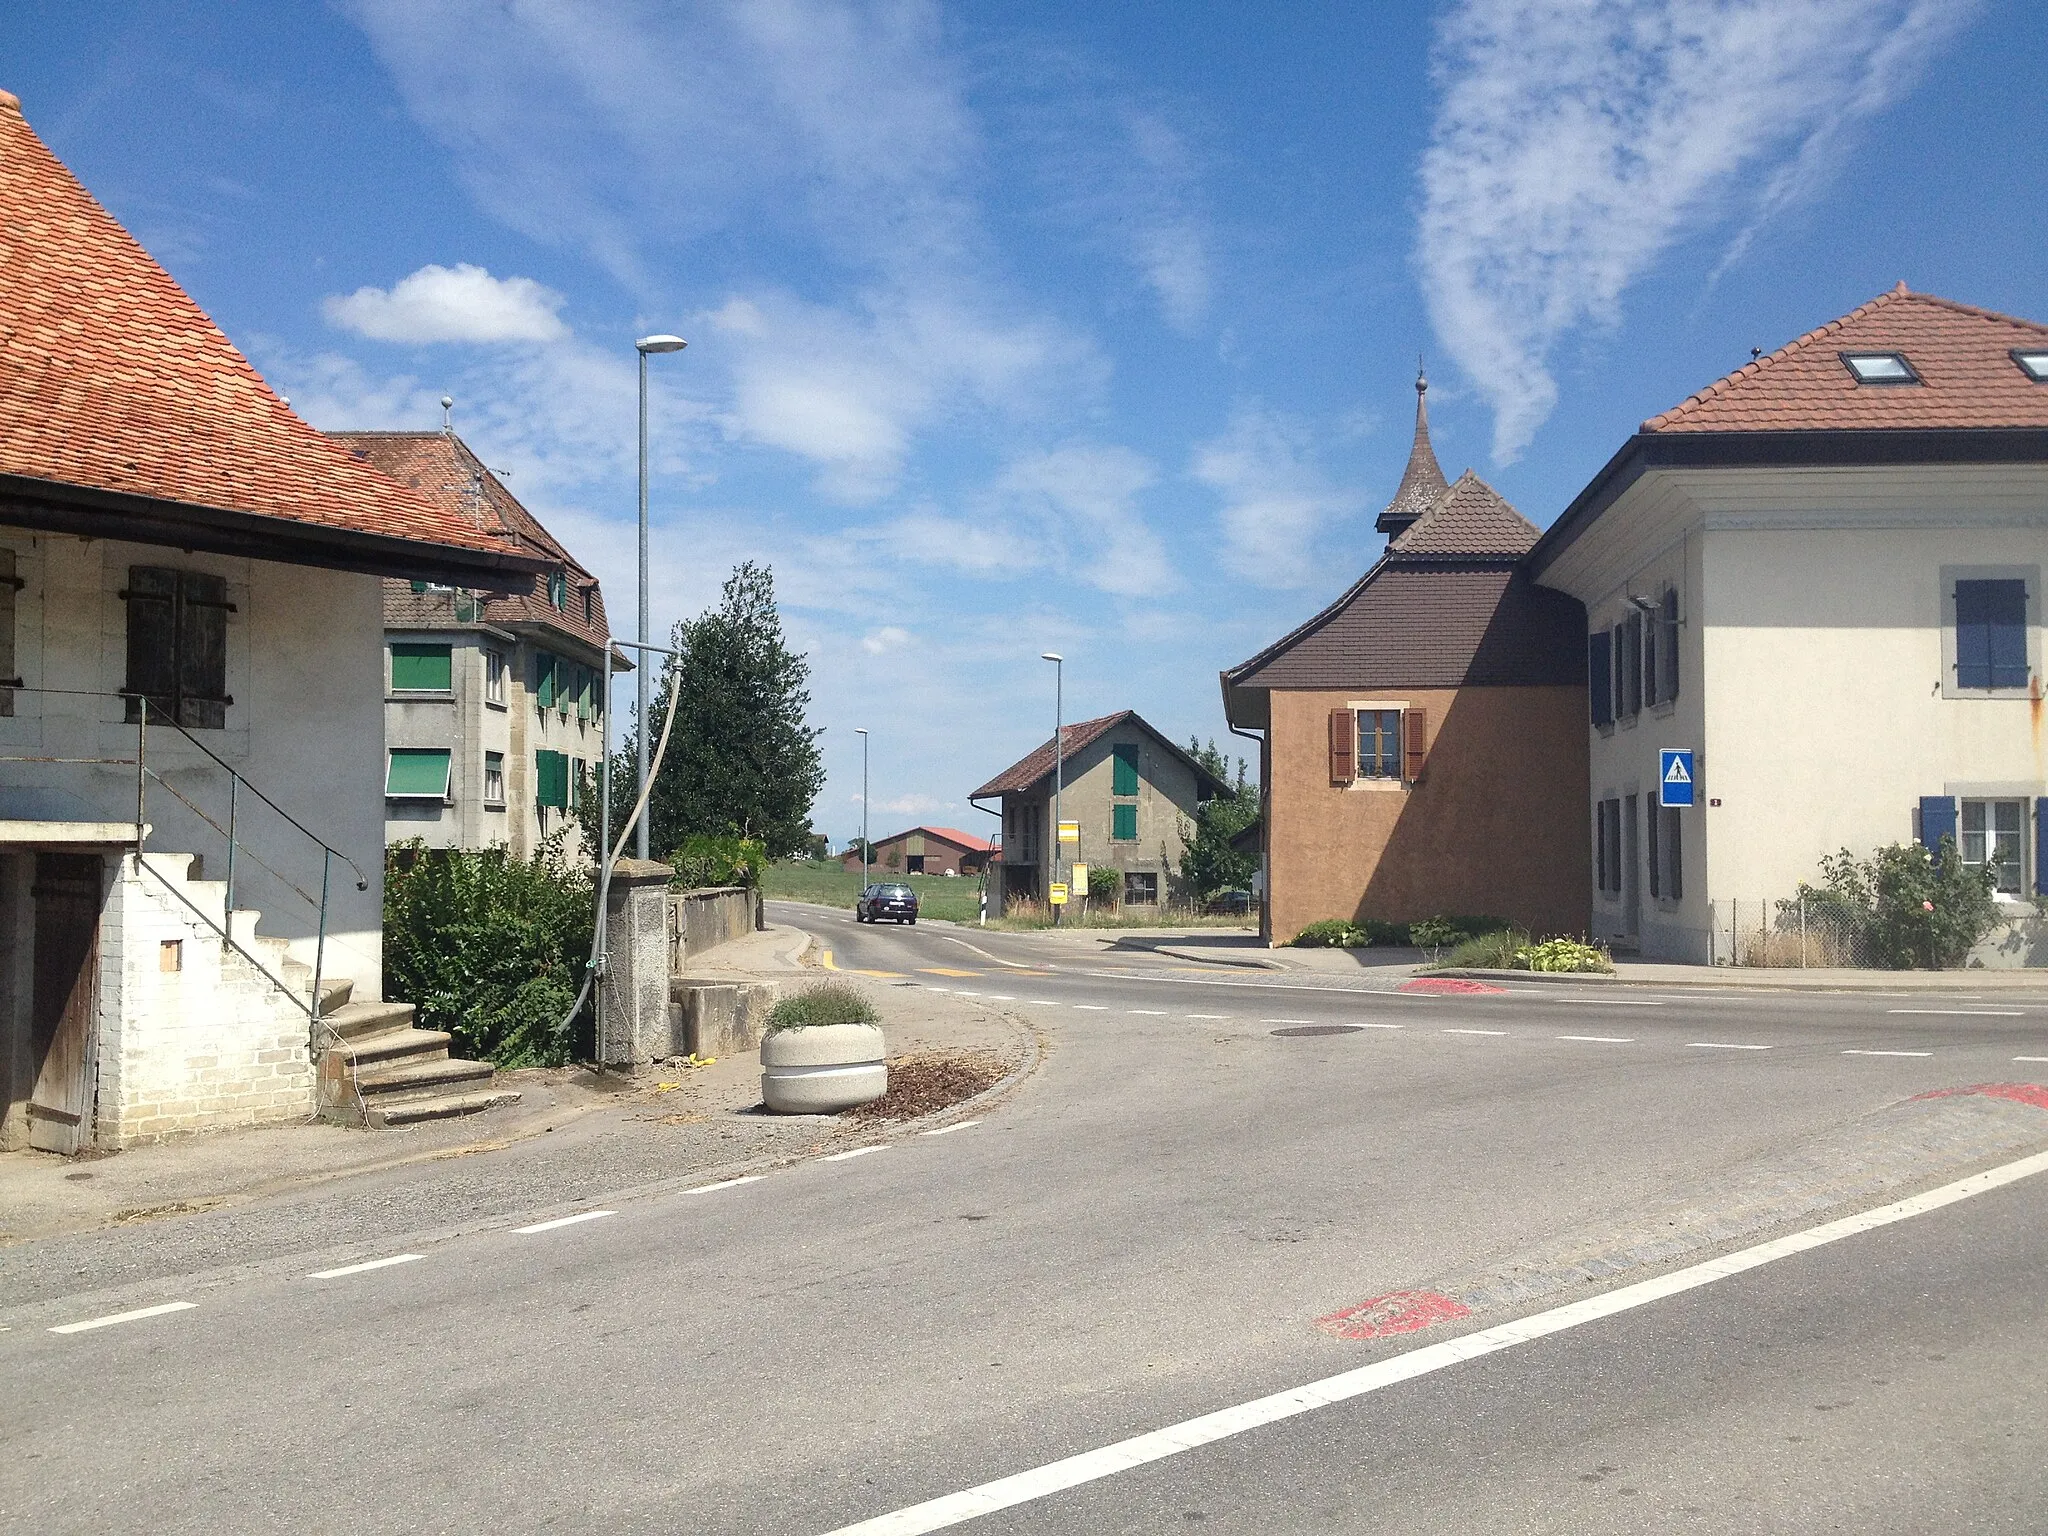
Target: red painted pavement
{"points": [[2019, 1093], [1446, 984], [1396, 1312]]}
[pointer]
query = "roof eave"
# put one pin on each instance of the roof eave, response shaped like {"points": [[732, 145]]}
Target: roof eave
{"points": [[88, 512], [1875, 447]]}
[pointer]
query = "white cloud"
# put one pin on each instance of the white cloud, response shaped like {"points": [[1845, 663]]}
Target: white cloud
{"points": [[1577, 140], [912, 805], [888, 638], [459, 303], [1277, 501], [1084, 499]]}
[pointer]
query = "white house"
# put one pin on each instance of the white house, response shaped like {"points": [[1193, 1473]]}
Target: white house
{"points": [[1822, 574], [494, 719], [191, 706]]}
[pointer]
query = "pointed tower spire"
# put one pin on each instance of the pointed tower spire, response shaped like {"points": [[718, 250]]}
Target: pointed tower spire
{"points": [[1423, 481]]}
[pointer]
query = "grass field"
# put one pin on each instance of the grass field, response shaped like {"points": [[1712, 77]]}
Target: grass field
{"points": [[828, 885]]}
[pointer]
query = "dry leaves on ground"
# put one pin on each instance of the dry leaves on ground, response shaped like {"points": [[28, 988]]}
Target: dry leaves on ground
{"points": [[928, 1081]]}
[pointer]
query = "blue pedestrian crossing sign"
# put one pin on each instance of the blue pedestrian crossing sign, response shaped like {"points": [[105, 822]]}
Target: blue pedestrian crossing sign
{"points": [[1674, 776]]}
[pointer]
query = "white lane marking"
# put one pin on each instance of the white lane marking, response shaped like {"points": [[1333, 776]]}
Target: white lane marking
{"points": [[964, 993], [1012, 964], [1721, 1045], [1124, 1455], [1042, 1002], [1363, 1025], [1209, 1016], [947, 1130], [561, 1221], [1463, 1031], [1600, 1039], [2030, 1058], [1965, 1013], [1887, 1053], [996, 997], [840, 1157], [930, 988], [1287, 1021], [1093, 1007], [358, 1269], [1147, 1013], [705, 1189], [125, 1317], [1605, 1002]]}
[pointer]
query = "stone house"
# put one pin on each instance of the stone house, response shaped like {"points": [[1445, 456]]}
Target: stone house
{"points": [[1822, 575], [1422, 744], [191, 703], [494, 718], [1134, 794]]}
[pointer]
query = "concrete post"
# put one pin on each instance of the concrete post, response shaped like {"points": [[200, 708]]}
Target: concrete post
{"points": [[636, 964]]}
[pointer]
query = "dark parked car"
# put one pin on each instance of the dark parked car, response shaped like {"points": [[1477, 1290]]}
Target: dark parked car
{"points": [[1239, 900], [880, 901]]}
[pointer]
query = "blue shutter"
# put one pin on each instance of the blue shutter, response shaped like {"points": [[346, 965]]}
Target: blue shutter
{"points": [[2041, 847], [1599, 677], [1937, 820]]}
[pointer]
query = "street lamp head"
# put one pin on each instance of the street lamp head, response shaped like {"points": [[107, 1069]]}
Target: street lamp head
{"points": [[661, 344], [1051, 656]]}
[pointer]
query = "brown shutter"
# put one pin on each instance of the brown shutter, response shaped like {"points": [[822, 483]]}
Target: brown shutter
{"points": [[203, 652], [152, 598], [1343, 746], [1415, 741]]}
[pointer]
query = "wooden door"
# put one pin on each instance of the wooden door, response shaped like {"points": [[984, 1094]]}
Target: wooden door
{"points": [[67, 894]]}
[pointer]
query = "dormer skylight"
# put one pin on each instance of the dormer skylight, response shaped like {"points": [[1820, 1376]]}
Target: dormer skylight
{"points": [[2033, 364], [1879, 368]]}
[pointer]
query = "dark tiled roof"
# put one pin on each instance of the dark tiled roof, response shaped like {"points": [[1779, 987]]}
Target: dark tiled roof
{"points": [[1482, 624], [1963, 356], [1035, 767], [1469, 518], [114, 380], [1423, 480], [441, 467]]}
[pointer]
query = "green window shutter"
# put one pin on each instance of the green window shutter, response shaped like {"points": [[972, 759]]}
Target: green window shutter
{"points": [[417, 773], [419, 668], [1125, 779], [544, 679], [551, 779], [1123, 824], [583, 693]]}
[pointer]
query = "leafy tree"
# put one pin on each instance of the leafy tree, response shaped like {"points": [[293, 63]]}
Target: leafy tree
{"points": [[1911, 907], [1209, 864], [741, 760]]}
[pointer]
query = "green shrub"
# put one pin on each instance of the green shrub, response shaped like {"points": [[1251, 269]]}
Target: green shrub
{"points": [[1493, 950], [1561, 955], [1105, 886], [489, 948], [1910, 907], [1330, 933], [707, 860], [830, 1002]]}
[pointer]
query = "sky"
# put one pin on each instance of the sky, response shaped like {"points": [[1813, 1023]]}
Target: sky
{"points": [[1041, 326]]}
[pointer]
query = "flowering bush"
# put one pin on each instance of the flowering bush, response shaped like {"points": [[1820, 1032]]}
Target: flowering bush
{"points": [[1561, 955]]}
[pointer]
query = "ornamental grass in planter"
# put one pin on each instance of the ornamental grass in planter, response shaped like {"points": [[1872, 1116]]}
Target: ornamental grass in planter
{"points": [[823, 1052]]}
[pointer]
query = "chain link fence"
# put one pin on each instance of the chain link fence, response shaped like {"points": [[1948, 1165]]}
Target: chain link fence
{"points": [[1797, 931]]}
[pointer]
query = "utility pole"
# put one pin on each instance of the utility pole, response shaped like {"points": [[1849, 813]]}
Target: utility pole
{"points": [[1059, 675], [866, 849], [643, 346]]}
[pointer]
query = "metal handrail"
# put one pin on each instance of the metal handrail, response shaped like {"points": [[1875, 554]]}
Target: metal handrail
{"points": [[236, 784]]}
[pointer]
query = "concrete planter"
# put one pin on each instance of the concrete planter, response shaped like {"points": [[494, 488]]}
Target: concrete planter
{"points": [[820, 1069]]}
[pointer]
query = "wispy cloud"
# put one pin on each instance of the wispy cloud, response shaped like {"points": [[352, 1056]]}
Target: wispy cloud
{"points": [[1278, 501], [1577, 140], [888, 638], [459, 303]]}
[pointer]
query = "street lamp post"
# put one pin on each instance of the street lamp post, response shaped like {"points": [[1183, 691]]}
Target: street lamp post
{"points": [[1059, 677], [643, 346], [861, 732]]}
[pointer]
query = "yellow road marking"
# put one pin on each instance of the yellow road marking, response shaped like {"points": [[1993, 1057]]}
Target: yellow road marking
{"points": [[897, 974], [827, 961], [940, 970]]}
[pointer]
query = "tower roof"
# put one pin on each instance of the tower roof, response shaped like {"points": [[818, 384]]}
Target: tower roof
{"points": [[1423, 480]]}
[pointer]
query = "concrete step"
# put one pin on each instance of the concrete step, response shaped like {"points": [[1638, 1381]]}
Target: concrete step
{"points": [[334, 990], [441, 1107], [422, 1080], [398, 1047], [351, 1020]]}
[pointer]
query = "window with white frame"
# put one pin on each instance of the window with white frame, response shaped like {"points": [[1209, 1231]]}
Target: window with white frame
{"points": [[494, 778], [1379, 743], [1994, 834], [494, 677]]}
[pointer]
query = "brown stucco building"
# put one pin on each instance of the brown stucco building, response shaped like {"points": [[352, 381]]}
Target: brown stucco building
{"points": [[1424, 745]]}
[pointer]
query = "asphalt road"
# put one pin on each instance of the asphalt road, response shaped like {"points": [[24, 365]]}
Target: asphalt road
{"points": [[1145, 1232]]}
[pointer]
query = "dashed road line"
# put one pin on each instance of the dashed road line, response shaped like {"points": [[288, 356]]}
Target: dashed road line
{"points": [[1721, 1045], [947, 1130], [1965, 1013], [2030, 1058], [1887, 1053], [562, 1221], [1347, 1386], [1147, 1013], [1041, 1002], [705, 1189], [1600, 1039], [1210, 1017], [1603, 1002], [125, 1317], [1472, 1032], [840, 1157], [1001, 997], [1287, 1021], [1093, 1007], [359, 1269]]}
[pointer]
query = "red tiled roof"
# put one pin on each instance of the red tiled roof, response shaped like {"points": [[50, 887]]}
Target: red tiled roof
{"points": [[441, 467], [112, 379], [965, 841], [1963, 356], [1469, 518]]}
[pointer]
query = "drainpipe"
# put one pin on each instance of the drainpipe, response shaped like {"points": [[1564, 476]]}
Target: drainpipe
{"points": [[1265, 830]]}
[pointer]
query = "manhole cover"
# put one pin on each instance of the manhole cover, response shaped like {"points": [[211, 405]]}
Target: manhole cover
{"points": [[1297, 1031]]}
